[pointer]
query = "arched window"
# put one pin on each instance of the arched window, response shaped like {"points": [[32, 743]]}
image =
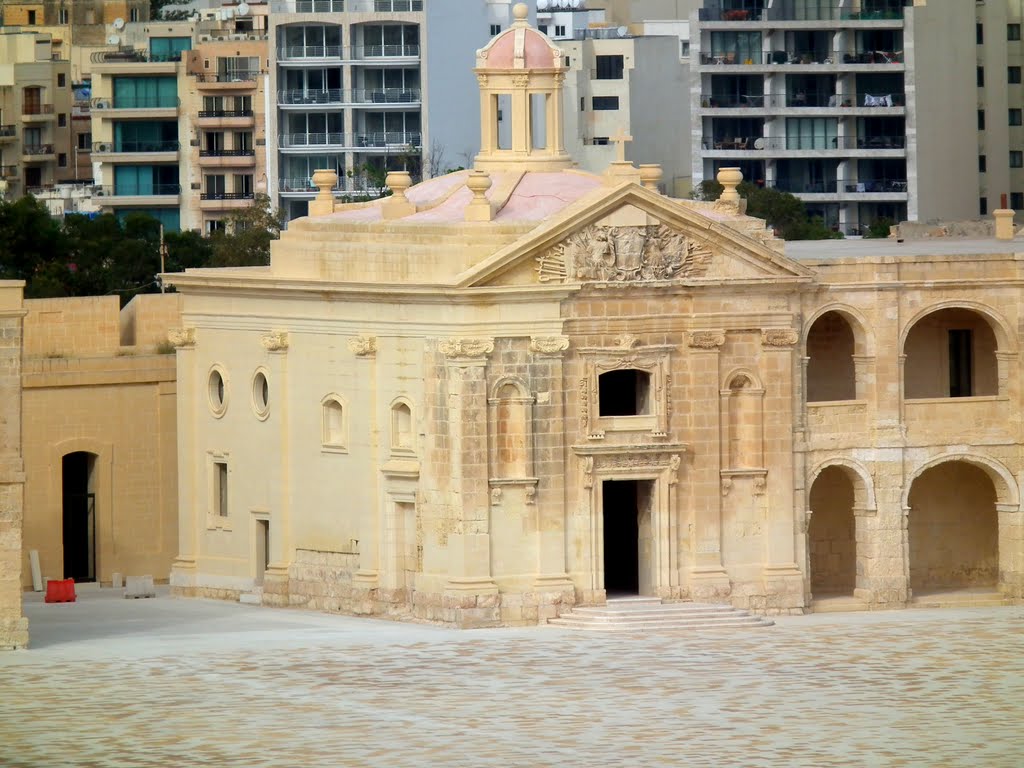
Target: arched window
{"points": [[743, 413], [401, 426], [831, 374], [511, 430], [951, 353]]}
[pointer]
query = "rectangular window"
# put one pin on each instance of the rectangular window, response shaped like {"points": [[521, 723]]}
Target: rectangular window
{"points": [[981, 163], [1013, 31], [542, 28], [133, 14], [981, 77], [62, 16], [600, 141], [84, 141], [1015, 117], [559, 30], [1013, 75], [61, 80], [812, 133], [609, 68], [979, 33], [983, 206], [214, 225], [237, 68], [960, 362], [738, 47], [220, 488], [31, 18], [62, 160], [981, 119], [62, 120], [145, 92], [168, 48], [1017, 200], [1016, 158], [495, 29], [605, 102]]}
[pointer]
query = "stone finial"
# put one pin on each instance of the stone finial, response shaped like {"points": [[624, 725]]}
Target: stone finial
{"points": [[729, 178], [325, 180], [398, 205], [479, 208], [1004, 223], [520, 11], [650, 175]]}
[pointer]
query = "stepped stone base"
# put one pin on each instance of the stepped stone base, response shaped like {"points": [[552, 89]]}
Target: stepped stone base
{"points": [[644, 614]]}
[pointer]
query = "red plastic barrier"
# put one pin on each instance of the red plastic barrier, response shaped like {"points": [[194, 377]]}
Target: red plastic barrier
{"points": [[60, 591]]}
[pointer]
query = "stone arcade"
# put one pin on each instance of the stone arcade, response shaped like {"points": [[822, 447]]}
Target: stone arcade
{"points": [[506, 391]]}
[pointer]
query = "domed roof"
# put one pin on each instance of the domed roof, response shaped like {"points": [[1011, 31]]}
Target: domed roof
{"points": [[519, 47]]}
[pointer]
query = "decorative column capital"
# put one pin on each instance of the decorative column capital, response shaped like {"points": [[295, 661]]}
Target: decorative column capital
{"points": [[363, 346], [551, 346], [706, 339], [274, 341], [182, 337], [456, 348], [779, 337]]}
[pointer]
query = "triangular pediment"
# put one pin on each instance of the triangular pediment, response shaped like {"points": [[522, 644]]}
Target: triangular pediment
{"points": [[629, 234]]}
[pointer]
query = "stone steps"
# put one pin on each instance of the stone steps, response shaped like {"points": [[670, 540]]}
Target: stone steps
{"points": [[960, 600], [650, 614]]}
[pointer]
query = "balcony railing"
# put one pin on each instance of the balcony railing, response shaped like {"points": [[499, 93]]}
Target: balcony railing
{"points": [[791, 10], [37, 109], [139, 190], [386, 51], [800, 143], [382, 139], [225, 113], [357, 96], [134, 55], [310, 52], [337, 6], [800, 99], [8, 171], [801, 187], [7, 131], [37, 149], [227, 152], [226, 196], [305, 185], [242, 76], [135, 146], [136, 102]]}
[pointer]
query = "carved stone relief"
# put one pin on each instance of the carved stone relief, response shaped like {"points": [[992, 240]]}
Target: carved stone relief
{"points": [[466, 348], [706, 339], [778, 337], [624, 254], [182, 337], [275, 341], [363, 346], [549, 345]]}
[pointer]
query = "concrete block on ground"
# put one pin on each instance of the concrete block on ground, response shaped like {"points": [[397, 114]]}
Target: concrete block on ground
{"points": [[117, 580], [139, 586]]}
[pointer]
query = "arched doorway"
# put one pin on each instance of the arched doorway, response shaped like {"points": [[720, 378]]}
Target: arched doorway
{"points": [[831, 346], [831, 534], [953, 529], [78, 472], [951, 353]]}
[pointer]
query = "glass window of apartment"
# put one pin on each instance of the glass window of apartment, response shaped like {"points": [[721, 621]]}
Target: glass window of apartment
{"points": [[736, 47], [982, 163], [1015, 117], [811, 133], [496, 29], [84, 142], [1017, 200], [168, 48], [606, 102], [62, 80], [1013, 31], [608, 68], [237, 68], [983, 206], [62, 120], [1016, 158], [243, 184], [62, 160], [1013, 75], [979, 33], [214, 225], [215, 186], [243, 105], [981, 119], [133, 14], [145, 92], [145, 136], [981, 77], [31, 18], [62, 16], [559, 30], [146, 180]]}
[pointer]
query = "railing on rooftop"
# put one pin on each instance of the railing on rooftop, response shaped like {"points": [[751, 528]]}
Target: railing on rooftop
{"points": [[136, 102], [794, 10], [799, 99], [134, 55]]}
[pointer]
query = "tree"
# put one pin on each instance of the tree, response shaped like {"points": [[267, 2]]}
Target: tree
{"points": [[246, 240], [782, 211], [158, 10], [30, 239]]}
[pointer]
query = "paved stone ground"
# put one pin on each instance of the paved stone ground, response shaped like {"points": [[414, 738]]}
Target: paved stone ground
{"points": [[163, 682]]}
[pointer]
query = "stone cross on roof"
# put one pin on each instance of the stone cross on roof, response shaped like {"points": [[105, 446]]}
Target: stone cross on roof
{"points": [[620, 140]]}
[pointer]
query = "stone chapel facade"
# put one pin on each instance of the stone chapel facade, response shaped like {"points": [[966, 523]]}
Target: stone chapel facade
{"points": [[506, 391]]}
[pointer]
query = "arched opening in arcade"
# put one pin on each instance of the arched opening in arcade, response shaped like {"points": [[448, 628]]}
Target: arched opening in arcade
{"points": [[831, 534], [831, 346], [951, 353]]}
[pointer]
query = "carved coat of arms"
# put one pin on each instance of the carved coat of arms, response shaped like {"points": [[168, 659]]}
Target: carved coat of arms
{"points": [[606, 253]]}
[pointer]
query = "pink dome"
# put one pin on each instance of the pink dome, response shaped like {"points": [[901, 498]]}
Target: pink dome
{"points": [[538, 52]]}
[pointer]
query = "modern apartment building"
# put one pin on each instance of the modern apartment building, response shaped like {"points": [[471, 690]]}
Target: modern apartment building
{"points": [[35, 113], [178, 118], [353, 81]]}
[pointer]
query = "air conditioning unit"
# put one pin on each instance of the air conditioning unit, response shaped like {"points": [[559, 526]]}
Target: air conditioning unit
{"points": [[254, 37], [103, 147], [205, 38], [239, 37], [102, 104], [99, 191]]}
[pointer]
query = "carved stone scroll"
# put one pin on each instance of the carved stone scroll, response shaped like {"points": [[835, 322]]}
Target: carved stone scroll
{"points": [[706, 339], [274, 341], [779, 337], [464, 348], [549, 345], [363, 346]]}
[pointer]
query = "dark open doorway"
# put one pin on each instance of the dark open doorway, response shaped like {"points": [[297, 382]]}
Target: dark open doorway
{"points": [[621, 499], [79, 518]]}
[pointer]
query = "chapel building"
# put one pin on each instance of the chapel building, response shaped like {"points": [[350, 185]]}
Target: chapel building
{"points": [[507, 391]]}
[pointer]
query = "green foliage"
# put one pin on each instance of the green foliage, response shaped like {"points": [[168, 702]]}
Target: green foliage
{"points": [[784, 212], [879, 227], [246, 241], [159, 10]]}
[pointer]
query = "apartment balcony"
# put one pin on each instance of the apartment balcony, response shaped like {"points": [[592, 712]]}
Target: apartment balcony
{"points": [[843, 191], [303, 188], [397, 54], [383, 142], [8, 172], [8, 133], [227, 158], [133, 61], [352, 6], [298, 55], [800, 61], [758, 147], [37, 153], [336, 98], [37, 113], [227, 81], [129, 195], [225, 118], [221, 201], [141, 107], [136, 151], [799, 102], [755, 14]]}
